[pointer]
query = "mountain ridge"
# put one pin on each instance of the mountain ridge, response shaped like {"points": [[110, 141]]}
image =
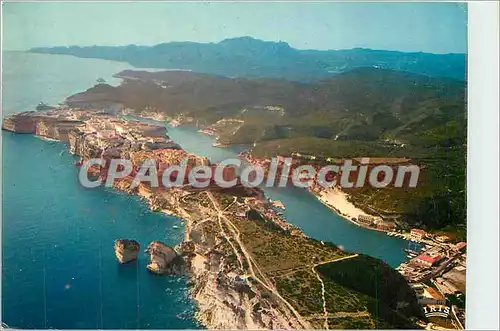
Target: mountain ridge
{"points": [[254, 58]]}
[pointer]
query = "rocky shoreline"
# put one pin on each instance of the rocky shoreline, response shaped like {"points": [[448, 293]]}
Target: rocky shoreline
{"points": [[222, 298], [219, 297], [239, 254]]}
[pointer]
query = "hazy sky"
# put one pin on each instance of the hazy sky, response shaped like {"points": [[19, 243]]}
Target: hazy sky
{"points": [[427, 27]]}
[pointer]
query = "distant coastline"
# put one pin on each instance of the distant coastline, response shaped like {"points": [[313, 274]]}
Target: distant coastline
{"points": [[218, 58]]}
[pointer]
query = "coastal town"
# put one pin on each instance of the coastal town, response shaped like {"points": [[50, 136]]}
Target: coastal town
{"points": [[435, 271]]}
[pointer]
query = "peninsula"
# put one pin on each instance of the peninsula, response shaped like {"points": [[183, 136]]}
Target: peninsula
{"points": [[249, 267]]}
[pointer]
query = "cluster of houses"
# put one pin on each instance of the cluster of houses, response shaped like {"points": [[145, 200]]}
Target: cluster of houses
{"points": [[106, 131], [376, 223], [437, 271]]}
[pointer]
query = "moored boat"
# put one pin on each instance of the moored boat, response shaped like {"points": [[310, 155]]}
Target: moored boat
{"points": [[43, 106], [175, 123]]}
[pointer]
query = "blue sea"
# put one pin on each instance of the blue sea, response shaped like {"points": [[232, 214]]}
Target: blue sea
{"points": [[59, 268]]}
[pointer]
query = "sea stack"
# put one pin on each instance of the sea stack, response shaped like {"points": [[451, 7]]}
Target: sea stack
{"points": [[126, 250], [164, 259]]}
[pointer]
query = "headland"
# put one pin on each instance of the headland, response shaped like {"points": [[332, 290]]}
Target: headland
{"points": [[249, 267]]}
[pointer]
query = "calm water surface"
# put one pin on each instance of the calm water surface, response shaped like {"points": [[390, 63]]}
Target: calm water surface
{"points": [[59, 269]]}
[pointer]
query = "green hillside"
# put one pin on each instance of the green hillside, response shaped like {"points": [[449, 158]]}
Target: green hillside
{"points": [[363, 112]]}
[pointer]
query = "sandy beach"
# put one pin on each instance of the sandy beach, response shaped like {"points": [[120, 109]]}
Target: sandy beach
{"points": [[337, 200]]}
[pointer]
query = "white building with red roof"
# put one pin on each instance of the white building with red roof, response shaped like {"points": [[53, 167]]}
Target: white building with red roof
{"points": [[428, 260], [417, 234]]}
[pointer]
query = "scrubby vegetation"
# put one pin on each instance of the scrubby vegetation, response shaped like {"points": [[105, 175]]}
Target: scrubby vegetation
{"points": [[360, 292], [385, 293]]}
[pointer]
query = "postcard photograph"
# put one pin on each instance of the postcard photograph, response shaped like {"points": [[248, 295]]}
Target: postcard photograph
{"points": [[234, 165]]}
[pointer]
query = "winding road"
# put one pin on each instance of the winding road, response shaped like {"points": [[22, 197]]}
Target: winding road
{"points": [[253, 266], [251, 263]]}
